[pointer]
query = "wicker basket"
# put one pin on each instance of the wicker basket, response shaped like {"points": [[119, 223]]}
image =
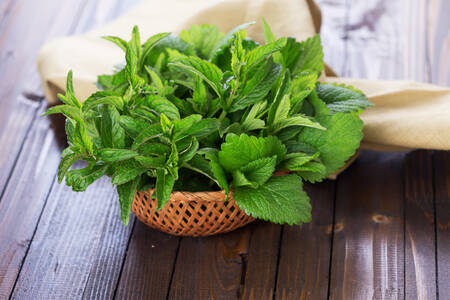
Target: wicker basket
{"points": [[191, 214]]}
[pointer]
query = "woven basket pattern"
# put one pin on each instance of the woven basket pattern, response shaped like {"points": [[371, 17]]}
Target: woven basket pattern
{"points": [[191, 214]]}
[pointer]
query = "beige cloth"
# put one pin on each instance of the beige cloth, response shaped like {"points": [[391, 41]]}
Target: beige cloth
{"points": [[406, 115]]}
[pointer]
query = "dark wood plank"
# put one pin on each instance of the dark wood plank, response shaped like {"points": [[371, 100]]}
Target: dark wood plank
{"points": [[420, 268], [211, 267], [368, 244], [149, 264], [442, 188], [68, 242], [18, 68], [260, 264], [303, 272], [23, 200], [34, 173]]}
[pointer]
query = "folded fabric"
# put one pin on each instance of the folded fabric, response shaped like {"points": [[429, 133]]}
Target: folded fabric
{"points": [[406, 115]]}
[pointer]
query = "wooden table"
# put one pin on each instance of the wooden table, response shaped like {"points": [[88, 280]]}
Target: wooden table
{"points": [[381, 231]]}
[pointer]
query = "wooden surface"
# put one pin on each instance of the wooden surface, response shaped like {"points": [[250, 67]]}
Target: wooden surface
{"points": [[380, 231]]}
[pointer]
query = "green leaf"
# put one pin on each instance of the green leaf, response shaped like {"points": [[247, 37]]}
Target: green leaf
{"points": [[279, 200], [118, 41], [81, 137], [127, 170], [238, 151], [113, 155], [279, 110], [164, 186], [312, 171], [150, 44], [199, 96], [188, 153], [341, 98], [258, 54], [155, 79], [259, 171], [311, 56], [209, 72], [182, 125], [296, 120], [253, 124], [294, 161], [205, 39], [67, 161], [218, 172], [301, 87], [69, 111], [162, 105], [132, 126], [131, 66], [200, 165], [151, 132], [111, 132], [338, 143], [268, 35], [151, 162], [225, 42], [203, 127], [102, 98], [126, 193], [259, 82], [80, 179]]}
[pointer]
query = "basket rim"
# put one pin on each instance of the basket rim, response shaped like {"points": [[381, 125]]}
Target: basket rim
{"points": [[183, 196]]}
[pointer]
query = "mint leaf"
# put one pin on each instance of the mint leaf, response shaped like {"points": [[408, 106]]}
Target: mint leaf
{"points": [[218, 171], [341, 98], [259, 82], [67, 161], [209, 72], [260, 170], [118, 41], [162, 105], [205, 39], [339, 142], [279, 200], [126, 193], [103, 98], [113, 155], [312, 171], [164, 186], [111, 132], [258, 54], [80, 179], [238, 151], [295, 120], [294, 161], [311, 56], [132, 126], [126, 171]]}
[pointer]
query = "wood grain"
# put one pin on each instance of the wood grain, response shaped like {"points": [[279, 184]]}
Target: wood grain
{"points": [[149, 264], [420, 268], [260, 272], [303, 271], [211, 267], [69, 244], [32, 173], [368, 245], [18, 69], [442, 188], [22, 202]]}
